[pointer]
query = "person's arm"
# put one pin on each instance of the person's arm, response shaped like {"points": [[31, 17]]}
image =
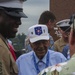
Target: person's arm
{"points": [[72, 42]]}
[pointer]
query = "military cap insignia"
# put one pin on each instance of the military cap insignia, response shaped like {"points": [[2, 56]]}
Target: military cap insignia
{"points": [[38, 30]]}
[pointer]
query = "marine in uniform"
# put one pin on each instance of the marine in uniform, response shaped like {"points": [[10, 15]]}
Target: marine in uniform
{"points": [[9, 9], [64, 28]]}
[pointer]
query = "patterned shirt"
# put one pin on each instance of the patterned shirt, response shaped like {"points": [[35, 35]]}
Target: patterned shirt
{"points": [[66, 68]]}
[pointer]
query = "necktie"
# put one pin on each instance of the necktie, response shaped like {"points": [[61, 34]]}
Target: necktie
{"points": [[12, 51], [41, 65]]}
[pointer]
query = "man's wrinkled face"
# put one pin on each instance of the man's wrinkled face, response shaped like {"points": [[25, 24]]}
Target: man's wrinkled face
{"points": [[9, 25], [40, 48]]}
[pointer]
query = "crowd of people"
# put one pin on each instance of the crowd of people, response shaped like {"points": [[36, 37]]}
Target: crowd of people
{"points": [[44, 55]]}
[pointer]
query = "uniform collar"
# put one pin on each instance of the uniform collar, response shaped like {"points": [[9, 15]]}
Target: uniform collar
{"points": [[4, 40], [62, 42]]}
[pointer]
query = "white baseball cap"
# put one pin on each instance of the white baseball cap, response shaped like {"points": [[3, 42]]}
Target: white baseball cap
{"points": [[38, 32], [63, 23], [13, 7]]}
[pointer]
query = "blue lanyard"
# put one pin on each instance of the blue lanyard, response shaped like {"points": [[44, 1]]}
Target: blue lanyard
{"points": [[36, 66]]}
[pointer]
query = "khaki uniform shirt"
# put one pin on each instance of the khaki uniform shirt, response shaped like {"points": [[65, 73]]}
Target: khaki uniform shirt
{"points": [[59, 45], [7, 63], [66, 68]]}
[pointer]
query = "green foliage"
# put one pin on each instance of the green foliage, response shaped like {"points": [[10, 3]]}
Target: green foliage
{"points": [[19, 41]]}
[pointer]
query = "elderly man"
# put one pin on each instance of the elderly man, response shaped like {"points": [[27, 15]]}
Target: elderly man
{"points": [[47, 18], [10, 18], [40, 57], [67, 68]]}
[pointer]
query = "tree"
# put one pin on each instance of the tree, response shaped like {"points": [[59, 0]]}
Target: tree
{"points": [[19, 41]]}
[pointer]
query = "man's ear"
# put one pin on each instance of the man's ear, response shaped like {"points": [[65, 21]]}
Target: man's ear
{"points": [[30, 43], [49, 22]]}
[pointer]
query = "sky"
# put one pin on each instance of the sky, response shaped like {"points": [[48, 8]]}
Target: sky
{"points": [[33, 9]]}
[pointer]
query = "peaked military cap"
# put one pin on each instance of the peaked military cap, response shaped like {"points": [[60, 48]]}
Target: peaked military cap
{"points": [[13, 7], [64, 25]]}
